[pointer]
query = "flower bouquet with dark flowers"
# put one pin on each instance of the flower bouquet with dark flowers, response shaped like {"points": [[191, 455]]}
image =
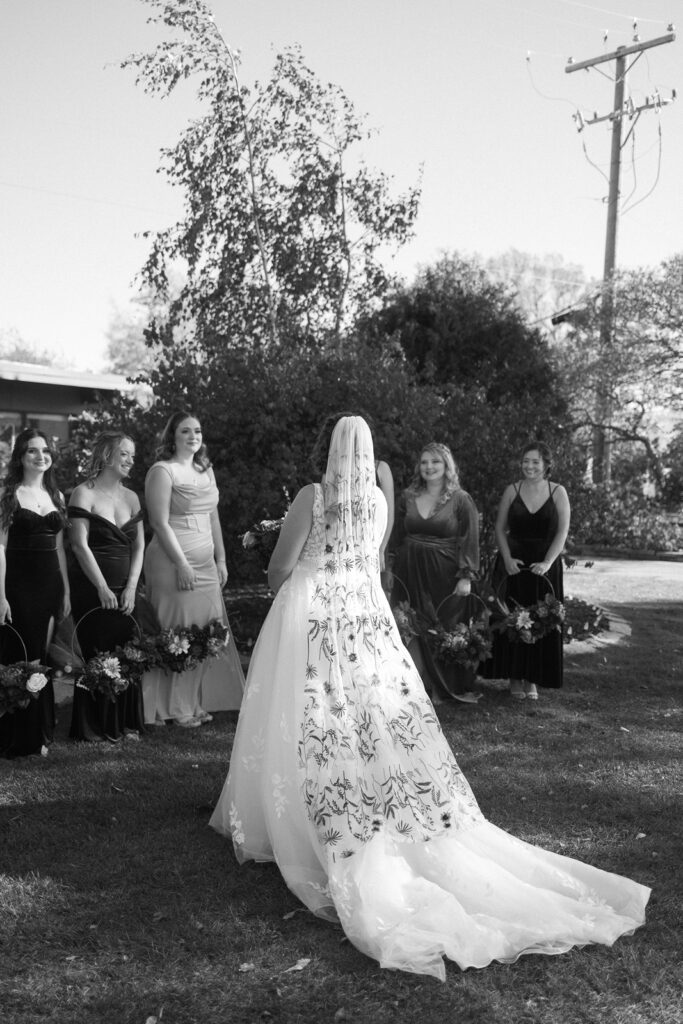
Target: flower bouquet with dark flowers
{"points": [[529, 625], [104, 673], [185, 647], [19, 683], [262, 538], [465, 644]]}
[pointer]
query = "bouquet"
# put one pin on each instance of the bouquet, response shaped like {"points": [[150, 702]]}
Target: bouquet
{"points": [[528, 625], [262, 537], [19, 683], [104, 673], [466, 644], [406, 621], [185, 647]]}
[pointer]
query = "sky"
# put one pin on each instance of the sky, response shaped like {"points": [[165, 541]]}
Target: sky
{"points": [[474, 93]]}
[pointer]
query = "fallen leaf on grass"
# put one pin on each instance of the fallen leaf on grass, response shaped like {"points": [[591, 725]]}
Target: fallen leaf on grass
{"points": [[641, 835], [247, 967], [624, 729], [290, 915], [300, 965]]}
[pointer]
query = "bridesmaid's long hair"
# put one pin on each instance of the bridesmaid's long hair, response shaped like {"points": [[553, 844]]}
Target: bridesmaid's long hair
{"points": [[14, 476], [104, 447], [166, 449], [451, 482]]}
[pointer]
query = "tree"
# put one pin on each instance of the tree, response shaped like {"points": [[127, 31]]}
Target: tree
{"points": [[15, 348], [618, 384], [128, 350], [541, 286], [282, 229], [456, 326]]}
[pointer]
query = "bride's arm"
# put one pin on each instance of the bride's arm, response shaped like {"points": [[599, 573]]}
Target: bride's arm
{"points": [[293, 536]]}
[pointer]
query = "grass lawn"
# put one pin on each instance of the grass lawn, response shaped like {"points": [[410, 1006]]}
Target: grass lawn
{"points": [[118, 903]]}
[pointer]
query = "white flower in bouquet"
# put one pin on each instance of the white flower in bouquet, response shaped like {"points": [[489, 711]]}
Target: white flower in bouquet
{"points": [[111, 667], [178, 644], [35, 682], [523, 620]]}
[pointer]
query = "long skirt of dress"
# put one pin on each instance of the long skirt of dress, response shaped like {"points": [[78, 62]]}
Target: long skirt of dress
{"points": [[34, 591], [425, 575], [540, 663], [341, 775], [94, 715], [215, 685]]}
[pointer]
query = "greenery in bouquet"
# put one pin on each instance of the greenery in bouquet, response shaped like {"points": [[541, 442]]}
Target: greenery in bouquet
{"points": [[19, 684], [138, 656], [406, 621], [104, 673], [466, 644], [529, 625], [185, 647]]}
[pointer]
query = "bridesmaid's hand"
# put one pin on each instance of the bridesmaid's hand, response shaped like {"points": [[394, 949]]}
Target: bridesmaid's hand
{"points": [[513, 566], [539, 568], [127, 603], [222, 572], [107, 597], [463, 588], [185, 576], [5, 612]]}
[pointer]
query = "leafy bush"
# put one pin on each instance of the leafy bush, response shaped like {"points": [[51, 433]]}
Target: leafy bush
{"points": [[621, 517], [582, 620]]}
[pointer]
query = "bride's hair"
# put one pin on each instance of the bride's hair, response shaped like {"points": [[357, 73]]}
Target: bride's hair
{"points": [[350, 496], [451, 481], [318, 456]]}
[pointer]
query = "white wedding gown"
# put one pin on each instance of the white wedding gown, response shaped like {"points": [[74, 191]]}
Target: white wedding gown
{"points": [[341, 774]]}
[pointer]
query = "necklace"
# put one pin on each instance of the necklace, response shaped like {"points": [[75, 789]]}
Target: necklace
{"points": [[36, 499]]}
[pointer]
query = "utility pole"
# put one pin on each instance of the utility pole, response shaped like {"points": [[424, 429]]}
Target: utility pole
{"points": [[620, 110]]}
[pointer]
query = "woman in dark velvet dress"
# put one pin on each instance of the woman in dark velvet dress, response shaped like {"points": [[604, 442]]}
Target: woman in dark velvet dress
{"points": [[531, 530], [107, 541], [34, 589], [438, 557]]}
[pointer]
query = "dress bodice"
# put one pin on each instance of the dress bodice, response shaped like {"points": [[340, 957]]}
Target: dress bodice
{"points": [[445, 521], [104, 536], [540, 525], [31, 531], [190, 499]]}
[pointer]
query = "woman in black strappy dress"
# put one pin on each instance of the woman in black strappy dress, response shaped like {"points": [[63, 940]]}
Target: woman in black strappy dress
{"points": [[34, 589], [531, 530], [107, 542]]}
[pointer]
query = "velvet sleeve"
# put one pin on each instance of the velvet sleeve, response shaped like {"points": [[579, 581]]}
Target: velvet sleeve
{"points": [[468, 535]]}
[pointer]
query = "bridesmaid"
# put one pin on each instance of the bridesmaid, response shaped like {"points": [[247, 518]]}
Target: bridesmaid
{"points": [[531, 530], [438, 557], [34, 587], [185, 572], [108, 543]]}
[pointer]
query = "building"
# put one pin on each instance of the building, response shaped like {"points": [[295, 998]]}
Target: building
{"points": [[45, 397]]}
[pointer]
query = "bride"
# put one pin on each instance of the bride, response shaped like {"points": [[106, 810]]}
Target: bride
{"points": [[340, 772]]}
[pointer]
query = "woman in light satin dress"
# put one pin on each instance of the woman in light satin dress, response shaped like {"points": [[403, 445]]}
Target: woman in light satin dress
{"points": [[185, 572]]}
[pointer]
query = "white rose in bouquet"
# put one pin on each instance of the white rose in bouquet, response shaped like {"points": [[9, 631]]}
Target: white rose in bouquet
{"points": [[35, 682]]}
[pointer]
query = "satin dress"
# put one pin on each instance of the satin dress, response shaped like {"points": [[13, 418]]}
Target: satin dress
{"points": [[217, 684], [34, 590], [437, 551], [341, 774], [95, 716], [530, 534]]}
